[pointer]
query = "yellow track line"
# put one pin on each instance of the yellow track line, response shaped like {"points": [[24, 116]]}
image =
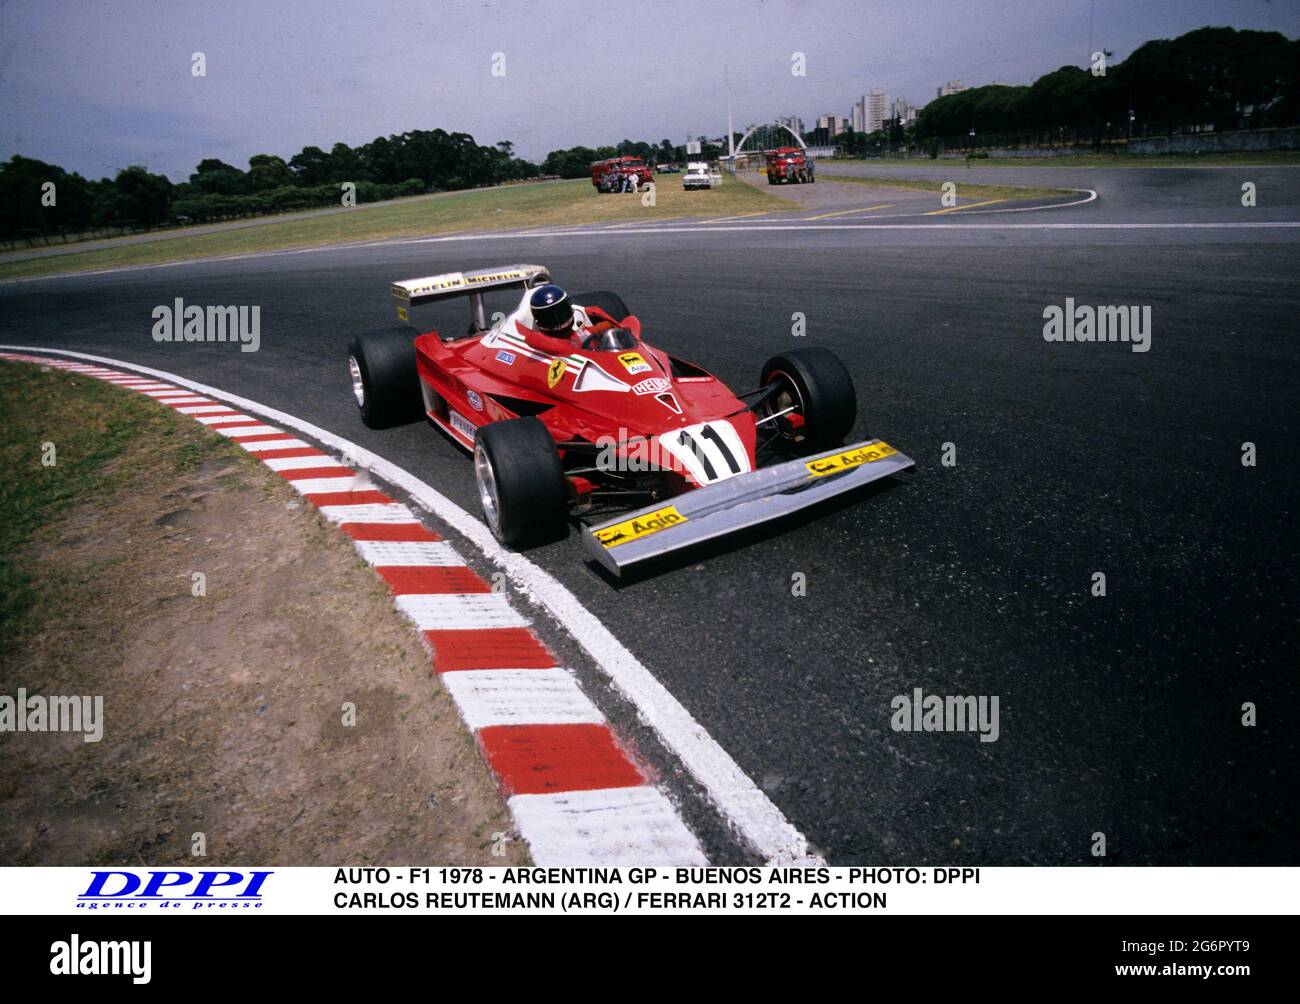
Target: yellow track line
{"points": [[740, 216], [846, 212], [954, 209]]}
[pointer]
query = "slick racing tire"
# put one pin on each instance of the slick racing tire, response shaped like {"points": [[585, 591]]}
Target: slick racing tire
{"points": [[384, 379], [521, 485], [603, 299], [814, 384]]}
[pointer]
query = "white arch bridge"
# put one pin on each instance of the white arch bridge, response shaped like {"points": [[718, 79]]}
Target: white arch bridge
{"points": [[765, 138]]}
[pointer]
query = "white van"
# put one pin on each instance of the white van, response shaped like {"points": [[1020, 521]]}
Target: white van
{"points": [[698, 176]]}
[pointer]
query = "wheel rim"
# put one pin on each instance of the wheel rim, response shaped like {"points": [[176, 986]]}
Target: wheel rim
{"points": [[787, 397], [358, 384], [487, 489]]}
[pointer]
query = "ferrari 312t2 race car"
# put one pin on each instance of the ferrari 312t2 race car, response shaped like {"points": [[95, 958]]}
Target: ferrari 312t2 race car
{"points": [[602, 423]]}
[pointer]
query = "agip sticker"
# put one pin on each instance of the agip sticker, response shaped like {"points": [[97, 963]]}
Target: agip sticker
{"points": [[639, 526], [850, 459], [634, 362]]}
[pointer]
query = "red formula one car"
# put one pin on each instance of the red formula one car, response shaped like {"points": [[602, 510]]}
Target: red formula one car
{"points": [[604, 423]]}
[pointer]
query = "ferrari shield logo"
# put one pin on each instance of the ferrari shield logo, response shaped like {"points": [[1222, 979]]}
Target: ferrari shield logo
{"points": [[554, 372]]}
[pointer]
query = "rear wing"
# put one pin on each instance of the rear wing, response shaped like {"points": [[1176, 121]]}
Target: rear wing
{"points": [[412, 292]]}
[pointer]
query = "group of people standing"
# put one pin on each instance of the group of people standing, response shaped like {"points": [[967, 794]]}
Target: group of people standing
{"points": [[619, 181]]}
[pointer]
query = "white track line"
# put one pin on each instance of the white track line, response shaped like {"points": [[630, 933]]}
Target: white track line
{"points": [[520, 697], [460, 611], [668, 227], [751, 815], [325, 486], [287, 443], [765, 228], [613, 826], [240, 431], [1089, 195], [226, 419], [299, 463], [404, 554], [368, 512]]}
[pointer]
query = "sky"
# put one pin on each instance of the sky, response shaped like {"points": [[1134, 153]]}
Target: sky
{"points": [[95, 86]]}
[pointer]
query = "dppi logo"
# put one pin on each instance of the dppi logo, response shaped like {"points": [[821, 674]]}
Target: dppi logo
{"points": [[170, 890]]}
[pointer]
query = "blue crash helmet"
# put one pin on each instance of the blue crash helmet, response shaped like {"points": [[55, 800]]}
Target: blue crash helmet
{"points": [[552, 311]]}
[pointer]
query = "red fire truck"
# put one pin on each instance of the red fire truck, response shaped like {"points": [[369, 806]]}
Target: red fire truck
{"points": [[607, 175], [789, 165]]}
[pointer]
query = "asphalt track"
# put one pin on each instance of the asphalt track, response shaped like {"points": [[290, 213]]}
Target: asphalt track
{"points": [[1118, 715]]}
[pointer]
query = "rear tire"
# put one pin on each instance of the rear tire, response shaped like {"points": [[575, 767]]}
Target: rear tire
{"points": [[522, 487], [603, 299], [819, 388], [384, 378]]}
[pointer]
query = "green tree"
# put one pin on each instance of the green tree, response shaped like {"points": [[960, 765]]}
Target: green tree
{"points": [[310, 167], [267, 171], [135, 198], [23, 192], [215, 177]]}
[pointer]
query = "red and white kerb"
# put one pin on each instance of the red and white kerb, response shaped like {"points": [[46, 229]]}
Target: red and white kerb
{"points": [[576, 795]]}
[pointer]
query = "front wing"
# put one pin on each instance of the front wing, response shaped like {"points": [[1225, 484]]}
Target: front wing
{"points": [[739, 502]]}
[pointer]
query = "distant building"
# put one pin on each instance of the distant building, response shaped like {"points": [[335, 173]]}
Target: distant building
{"points": [[828, 127], [877, 110], [870, 113], [833, 124], [952, 87], [793, 122], [904, 111]]}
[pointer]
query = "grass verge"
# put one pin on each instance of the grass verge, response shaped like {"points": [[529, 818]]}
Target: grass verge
{"points": [[62, 436], [544, 203]]}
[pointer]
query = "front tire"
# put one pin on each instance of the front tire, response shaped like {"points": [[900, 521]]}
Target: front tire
{"points": [[819, 392], [522, 487], [384, 378]]}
